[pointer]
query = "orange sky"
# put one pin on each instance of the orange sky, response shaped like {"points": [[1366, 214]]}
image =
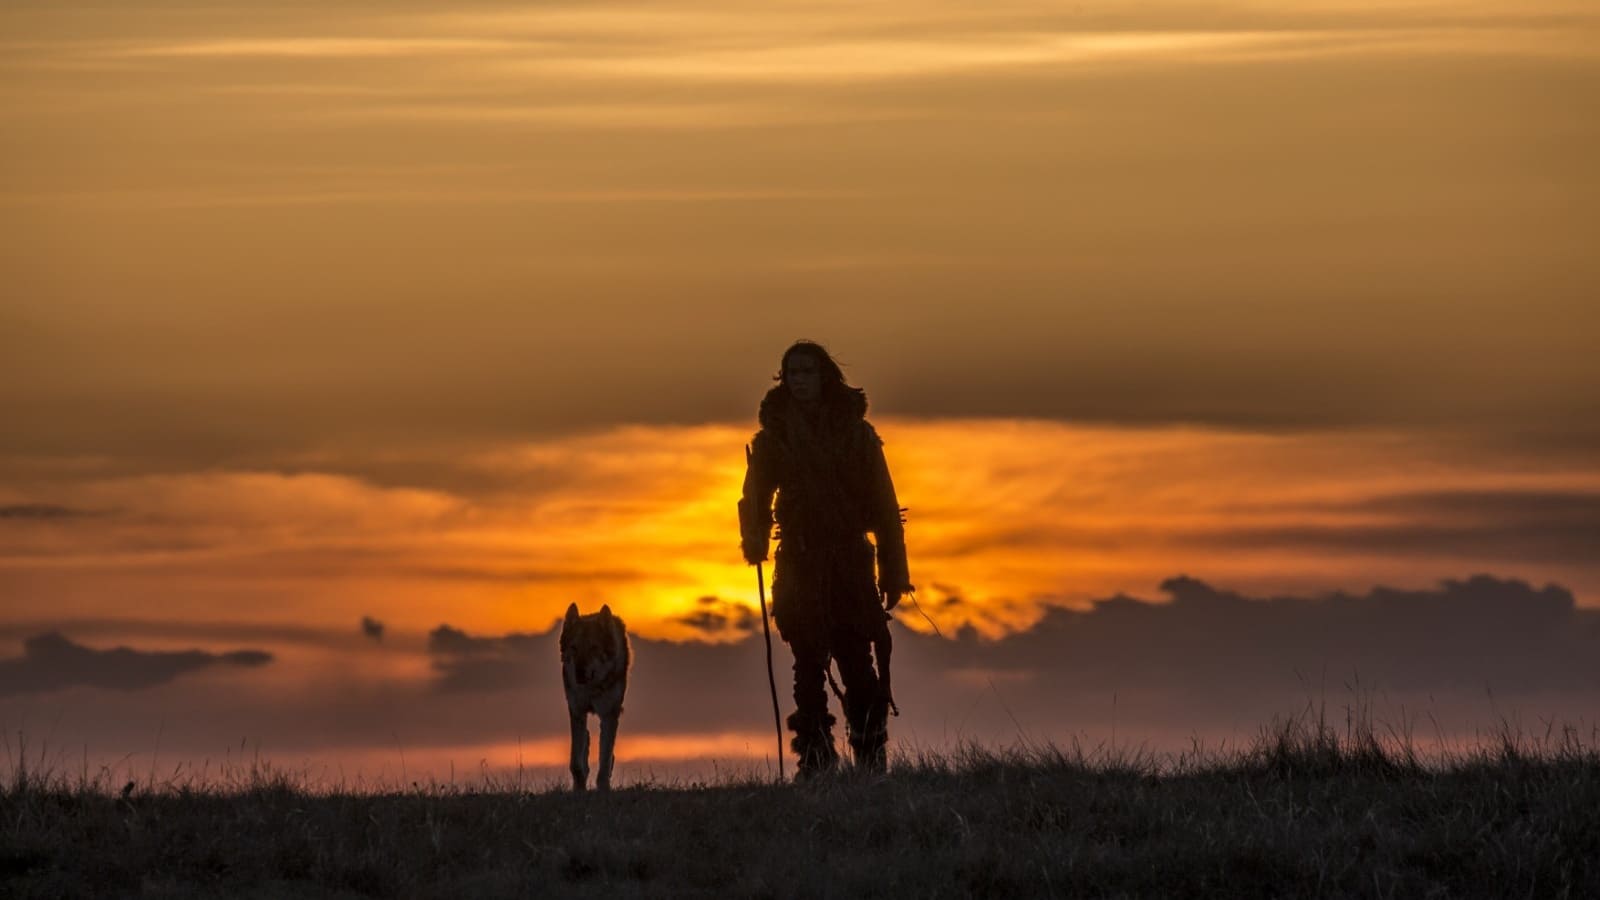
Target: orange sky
{"points": [[237, 231], [456, 313], [1011, 516], [1012, 522]]}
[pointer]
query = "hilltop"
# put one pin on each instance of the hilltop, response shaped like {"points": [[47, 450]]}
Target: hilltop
{"points": [[1304, 812]]}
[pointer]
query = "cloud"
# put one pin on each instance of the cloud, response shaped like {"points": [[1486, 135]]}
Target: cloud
{"points": [[1202, 660], [52, 661], [474, 664], [1446, 663], [44, 511], [449, 642], [805, 41], [1010, 516], [1541, 526], [1207, 654], [718, 618], [372, 628], [1537, 508], [122, 628], [319, 47]]}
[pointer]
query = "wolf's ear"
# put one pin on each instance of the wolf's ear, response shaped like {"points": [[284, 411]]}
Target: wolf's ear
{"points": [[572, 613], [605, 611]]}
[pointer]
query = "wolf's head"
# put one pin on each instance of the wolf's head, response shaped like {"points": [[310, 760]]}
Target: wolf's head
{"points": [[595, 646]]}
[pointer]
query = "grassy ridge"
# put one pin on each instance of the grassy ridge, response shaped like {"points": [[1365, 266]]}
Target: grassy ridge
{"points": [[1304, 812]]}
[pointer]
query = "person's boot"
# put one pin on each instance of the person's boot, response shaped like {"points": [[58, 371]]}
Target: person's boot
{"points": [[813, 745]]}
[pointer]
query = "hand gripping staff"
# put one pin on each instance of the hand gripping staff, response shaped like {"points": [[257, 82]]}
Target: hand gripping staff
{"points": [[766, 630]]}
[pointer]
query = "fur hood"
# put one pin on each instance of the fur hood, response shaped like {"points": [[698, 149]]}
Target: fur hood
{"points": [[850, 406]]}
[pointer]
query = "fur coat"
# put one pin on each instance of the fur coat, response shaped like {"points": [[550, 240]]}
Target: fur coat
{"points": [[831, 482]]}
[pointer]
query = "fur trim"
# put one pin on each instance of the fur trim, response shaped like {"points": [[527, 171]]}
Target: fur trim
{"points": [[851, 405]]}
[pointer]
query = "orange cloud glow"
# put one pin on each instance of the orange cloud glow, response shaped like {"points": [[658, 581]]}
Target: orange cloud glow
{"points": [[1007, 519]]}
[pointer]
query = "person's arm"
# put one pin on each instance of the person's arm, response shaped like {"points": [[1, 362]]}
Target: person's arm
{"points": [[755, 506], [894, 577]]}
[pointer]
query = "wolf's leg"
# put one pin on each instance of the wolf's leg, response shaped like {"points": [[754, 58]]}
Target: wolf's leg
{"points": [[608, 745], [580, 751]]}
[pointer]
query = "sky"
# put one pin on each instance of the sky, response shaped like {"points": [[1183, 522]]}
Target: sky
{"points": [[1228, 355]]}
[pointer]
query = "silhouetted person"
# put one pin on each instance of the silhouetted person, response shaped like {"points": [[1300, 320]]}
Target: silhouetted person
{"points": [[819, 455]]}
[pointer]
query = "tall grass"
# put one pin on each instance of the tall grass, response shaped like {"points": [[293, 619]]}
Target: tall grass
{"points": [[1310, 808]]}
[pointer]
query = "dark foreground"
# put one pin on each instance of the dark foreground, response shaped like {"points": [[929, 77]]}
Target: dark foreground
{"points": [[1303, 814]]}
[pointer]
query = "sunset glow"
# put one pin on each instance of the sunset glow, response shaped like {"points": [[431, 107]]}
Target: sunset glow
{"points": [[440, 315], [1007, 518]]}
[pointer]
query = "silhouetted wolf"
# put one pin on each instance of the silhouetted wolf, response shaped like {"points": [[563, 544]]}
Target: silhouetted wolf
{"points": [[594, 671]]}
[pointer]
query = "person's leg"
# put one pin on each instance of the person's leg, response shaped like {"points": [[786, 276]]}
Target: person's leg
{"points": [[865, 709], [811, 722], [857, 615], [797, 610]]}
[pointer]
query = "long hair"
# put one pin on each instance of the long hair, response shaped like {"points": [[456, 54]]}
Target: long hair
{"points": [[835, 390]]}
